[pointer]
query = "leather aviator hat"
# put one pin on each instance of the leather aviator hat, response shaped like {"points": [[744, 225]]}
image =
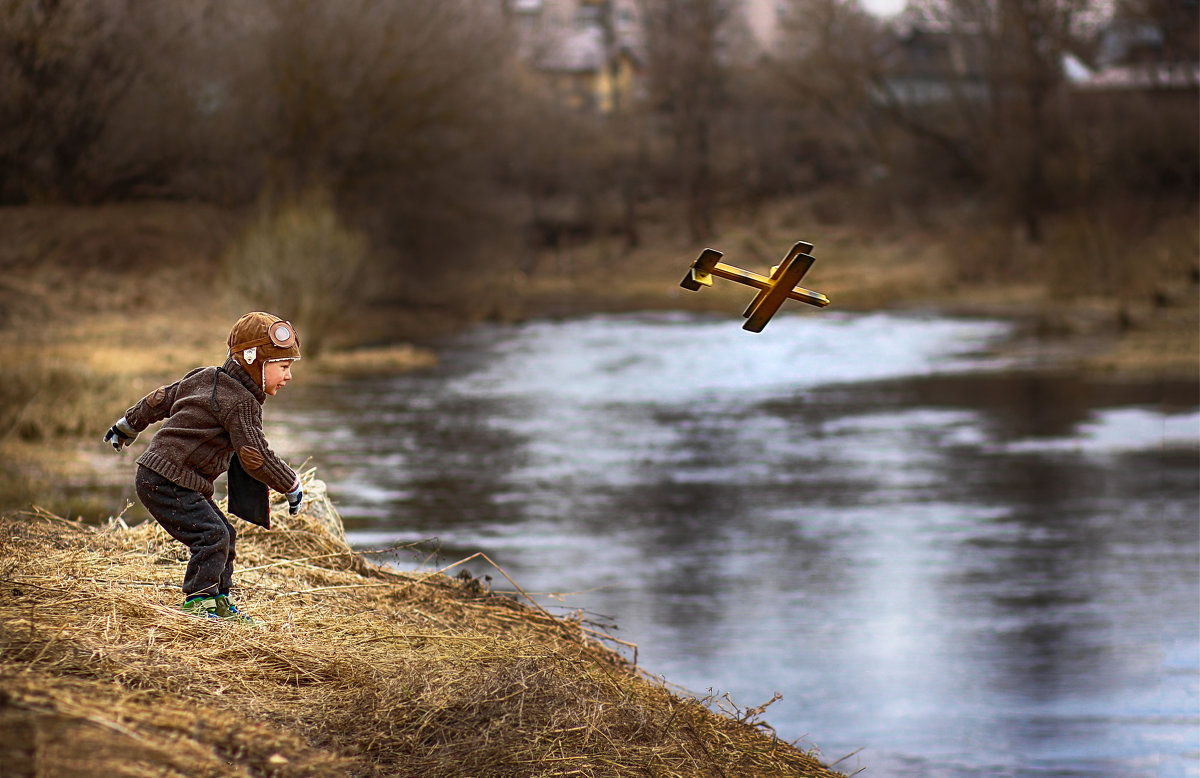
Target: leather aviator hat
{"points": [[258, 338]]}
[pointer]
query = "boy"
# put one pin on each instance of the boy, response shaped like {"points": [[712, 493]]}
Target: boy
{"points": [[214, 422]]}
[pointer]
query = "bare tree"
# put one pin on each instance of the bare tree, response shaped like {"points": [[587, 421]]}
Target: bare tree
{"points": [[820, 82], [364, 82], [111, 99], [64, 66], [1001, 79], [389, 105], [686, 67]]}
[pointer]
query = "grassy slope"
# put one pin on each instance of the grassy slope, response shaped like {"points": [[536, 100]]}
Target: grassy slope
{"points": [[351, 670]]}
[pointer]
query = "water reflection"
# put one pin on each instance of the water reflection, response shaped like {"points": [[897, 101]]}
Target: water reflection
{"points": [[967, 570]]}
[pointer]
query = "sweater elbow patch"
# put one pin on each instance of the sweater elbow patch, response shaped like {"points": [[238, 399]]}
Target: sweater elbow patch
{"points": [[155, 398], [252, 458]]}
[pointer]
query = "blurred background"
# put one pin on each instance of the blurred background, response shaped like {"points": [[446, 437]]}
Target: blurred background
{"points": [[383, 171], [952, 518], [431, 139]]}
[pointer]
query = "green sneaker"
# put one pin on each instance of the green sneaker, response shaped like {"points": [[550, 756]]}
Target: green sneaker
{"points": [[204, 607], [227, 610]]}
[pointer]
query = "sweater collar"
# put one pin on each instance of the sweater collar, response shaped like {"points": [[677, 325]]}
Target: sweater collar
{"points": [[238, 372]]}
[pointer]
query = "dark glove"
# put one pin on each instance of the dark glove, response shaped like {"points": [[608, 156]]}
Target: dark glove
{"points": [[120, 434], [294, 498]]}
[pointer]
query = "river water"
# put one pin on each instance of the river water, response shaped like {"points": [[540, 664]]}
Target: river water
{"points": [[947, 565]]}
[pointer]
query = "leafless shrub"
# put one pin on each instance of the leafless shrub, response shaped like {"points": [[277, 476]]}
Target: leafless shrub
{"points": [[298, 259], [1106, 251]]}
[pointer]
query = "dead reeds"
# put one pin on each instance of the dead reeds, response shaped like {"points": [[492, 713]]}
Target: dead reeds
{"points": [[353, 669]]}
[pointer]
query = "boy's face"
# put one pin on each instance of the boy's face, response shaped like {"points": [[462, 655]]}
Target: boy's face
{"points": [[276, 376]]}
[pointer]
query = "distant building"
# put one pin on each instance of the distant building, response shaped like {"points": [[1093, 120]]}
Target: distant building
{"points": [[584, 51], [1136, 56], [928, 63], [765, 19], [585, 72], [1161, 77], [1124, 42], [590, 52]]}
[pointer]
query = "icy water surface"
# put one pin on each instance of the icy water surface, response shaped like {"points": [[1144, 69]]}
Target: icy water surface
{"points": [[958, 567]]}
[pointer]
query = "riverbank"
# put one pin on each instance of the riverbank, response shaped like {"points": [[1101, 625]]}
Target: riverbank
{"points": [[99, 305], [351, 669], [1079, 307]]}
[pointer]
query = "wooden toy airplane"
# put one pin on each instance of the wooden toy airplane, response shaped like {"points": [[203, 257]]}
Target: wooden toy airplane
{"points": [[772, 291]]}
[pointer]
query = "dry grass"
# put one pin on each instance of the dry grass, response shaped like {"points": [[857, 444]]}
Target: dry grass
{"points": [[353, 670], [372, 361]]}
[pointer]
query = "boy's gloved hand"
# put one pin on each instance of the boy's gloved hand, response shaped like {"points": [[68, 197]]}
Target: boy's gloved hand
{"points": [[120, 434], [294, 497]]}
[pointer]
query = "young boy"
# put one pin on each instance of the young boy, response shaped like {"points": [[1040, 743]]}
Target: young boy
{"points": [[214, 422]]}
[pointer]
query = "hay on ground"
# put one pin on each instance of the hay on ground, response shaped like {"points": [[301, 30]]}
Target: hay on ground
{"points": [[353, 669]]}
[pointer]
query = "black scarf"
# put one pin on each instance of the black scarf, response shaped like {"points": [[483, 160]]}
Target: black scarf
{"points": [[248, 496]]}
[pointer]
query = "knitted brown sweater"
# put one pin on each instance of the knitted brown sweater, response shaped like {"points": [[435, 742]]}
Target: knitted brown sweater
{"points": [[210, 414]]}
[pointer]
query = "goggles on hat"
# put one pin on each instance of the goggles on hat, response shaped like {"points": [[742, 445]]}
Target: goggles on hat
{"points": [[280, 333]]}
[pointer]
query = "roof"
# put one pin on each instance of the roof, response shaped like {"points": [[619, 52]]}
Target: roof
{"points": [[1144, 77], [578, 51]]}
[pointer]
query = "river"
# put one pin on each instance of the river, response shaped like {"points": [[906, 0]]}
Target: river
{"points": [[948, 565]]}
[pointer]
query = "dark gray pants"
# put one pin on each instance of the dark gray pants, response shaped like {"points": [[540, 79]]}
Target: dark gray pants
{"points": [[195, 521]]}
